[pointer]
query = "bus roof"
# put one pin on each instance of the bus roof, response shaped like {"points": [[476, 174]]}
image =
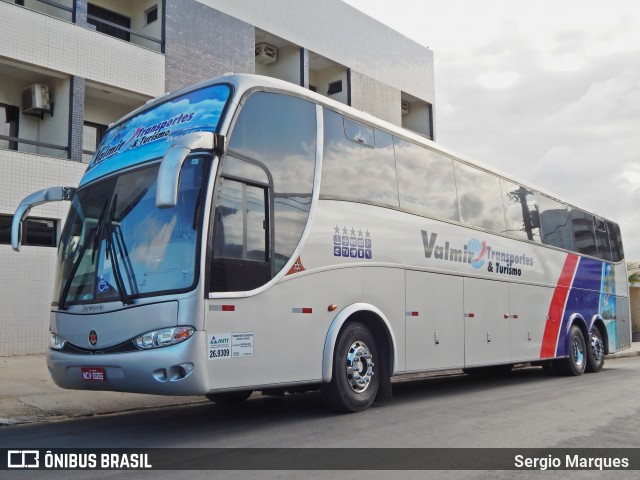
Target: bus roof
{"points": [[241, 83]]}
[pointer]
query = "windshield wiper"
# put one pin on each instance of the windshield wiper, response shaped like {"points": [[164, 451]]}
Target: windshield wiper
{"points": [[94, 235], [67, 286], [118, 239], [111, 249]]}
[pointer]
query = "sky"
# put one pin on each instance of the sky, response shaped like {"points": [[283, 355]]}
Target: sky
{"points": [[547, 91]]}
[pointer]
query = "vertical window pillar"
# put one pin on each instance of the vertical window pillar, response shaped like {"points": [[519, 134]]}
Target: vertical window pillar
{"points": [[304, 67], [76, 117], [349, 86], [80, 12]]}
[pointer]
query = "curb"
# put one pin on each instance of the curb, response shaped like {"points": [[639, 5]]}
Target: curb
{"points": [[623, 354]]}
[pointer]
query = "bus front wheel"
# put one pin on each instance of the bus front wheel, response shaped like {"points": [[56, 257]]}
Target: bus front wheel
{"points": [[355, 376], [576, 362]]}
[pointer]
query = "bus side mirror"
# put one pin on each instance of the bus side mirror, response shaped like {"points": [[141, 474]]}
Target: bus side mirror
{"points": [[171, 165], [52, 194]]}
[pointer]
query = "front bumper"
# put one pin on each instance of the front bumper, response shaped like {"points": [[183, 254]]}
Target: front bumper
{"points": [[175, 370]]}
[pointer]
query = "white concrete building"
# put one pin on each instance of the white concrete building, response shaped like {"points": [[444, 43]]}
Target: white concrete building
{"points": [[68, 68]]}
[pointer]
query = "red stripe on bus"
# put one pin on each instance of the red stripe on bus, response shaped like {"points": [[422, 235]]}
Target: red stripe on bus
{"points": [[228, 308], [556, 309]]}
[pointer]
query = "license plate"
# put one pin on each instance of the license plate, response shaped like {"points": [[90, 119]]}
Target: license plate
{"points": [[93, 375]]}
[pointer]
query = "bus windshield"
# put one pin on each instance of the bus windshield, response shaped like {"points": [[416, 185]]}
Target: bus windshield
{"points": [[117, 245]]}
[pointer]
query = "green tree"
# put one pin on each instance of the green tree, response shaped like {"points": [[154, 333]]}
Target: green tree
{"points": [[634, 272]]}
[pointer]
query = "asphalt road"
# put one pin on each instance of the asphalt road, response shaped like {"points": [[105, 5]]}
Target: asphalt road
{"points": [[523, 409]]}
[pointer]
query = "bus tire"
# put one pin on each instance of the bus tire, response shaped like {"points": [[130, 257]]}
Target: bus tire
{"points": [[576, 362], [595, 351], [355, 376], [227, 399]]}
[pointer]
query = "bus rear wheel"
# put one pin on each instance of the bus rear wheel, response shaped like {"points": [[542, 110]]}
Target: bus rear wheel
{"points": [[229, 398], [595, 351], [576, 362], [355, 377]]}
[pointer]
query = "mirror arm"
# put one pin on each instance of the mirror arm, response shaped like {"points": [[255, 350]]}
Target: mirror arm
{"points": [[171, 165], [52, 194]]}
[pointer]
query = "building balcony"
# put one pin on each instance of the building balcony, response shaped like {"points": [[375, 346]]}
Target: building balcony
{"points": [[35, 115], [47, 39], [137, 21]]}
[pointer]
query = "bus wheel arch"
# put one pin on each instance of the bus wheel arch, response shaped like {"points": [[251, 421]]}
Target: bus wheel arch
{"points": [[374, 321]]}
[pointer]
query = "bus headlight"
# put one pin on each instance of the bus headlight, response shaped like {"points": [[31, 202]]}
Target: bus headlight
{"points": [[56, 341], [163, 337]]}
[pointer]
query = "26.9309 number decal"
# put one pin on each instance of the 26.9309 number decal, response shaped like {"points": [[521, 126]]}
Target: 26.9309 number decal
{"points": [[219, 352]]}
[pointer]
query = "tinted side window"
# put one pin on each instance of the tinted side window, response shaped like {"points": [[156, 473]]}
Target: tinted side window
{"points": [[279, 132], [520, 211], [617, 252], [425, 181], [353, 169], [359, 133], [584, 239], [555, 223], [602, 238], [234, 167], [240, 222], [479, 198]]}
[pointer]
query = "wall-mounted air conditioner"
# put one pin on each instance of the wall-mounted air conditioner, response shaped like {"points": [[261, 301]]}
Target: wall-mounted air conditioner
{"points": [[36, 100], [266, 53], [404, 107]]}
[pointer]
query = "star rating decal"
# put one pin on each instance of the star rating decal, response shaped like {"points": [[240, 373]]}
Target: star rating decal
{"points": [[353, 243]]}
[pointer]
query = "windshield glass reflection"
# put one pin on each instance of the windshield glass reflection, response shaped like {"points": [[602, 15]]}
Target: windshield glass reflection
{"points": [[117, 245]]}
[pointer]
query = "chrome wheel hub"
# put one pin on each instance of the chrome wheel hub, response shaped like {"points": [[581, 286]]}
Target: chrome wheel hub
{"points": [[597, 347], [577, 352], [359, 367]]}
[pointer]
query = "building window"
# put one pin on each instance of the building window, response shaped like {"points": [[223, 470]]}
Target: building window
{"points": [[108, 22], [92, 134], [335, 87], [41, 232], [9, 116], [151, 14]]}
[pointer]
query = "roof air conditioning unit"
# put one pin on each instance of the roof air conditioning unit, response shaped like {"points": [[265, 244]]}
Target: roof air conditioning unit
{"points": [[404, 107], [36, 100], [266, 53]]}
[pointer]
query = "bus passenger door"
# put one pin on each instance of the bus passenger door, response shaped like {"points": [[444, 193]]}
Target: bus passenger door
{"points": [[528, 317], [434, 321], [486, 320]]}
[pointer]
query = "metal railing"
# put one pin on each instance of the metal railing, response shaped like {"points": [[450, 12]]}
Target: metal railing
{"points": [[127, 30], [57, 5], [18, 140], [52, 3]]}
